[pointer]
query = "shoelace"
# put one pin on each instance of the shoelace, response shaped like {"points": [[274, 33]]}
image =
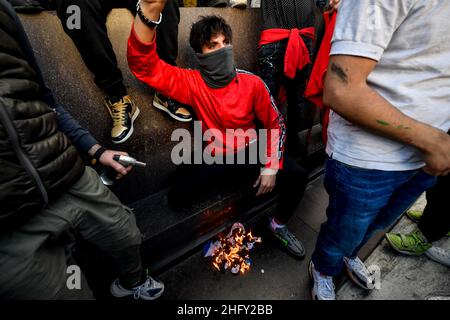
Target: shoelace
{"points": [[144, 286], [118, 113], [359, 267], [326, 284], [291, 237], [416, 240]]}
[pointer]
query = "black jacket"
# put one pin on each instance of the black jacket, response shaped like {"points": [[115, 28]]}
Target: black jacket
{"points": [[37, 162]]}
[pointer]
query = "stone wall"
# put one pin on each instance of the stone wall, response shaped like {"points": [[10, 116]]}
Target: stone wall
{"points": [[74, 88]]}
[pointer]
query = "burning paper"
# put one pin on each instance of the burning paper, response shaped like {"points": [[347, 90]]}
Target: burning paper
{"points": [[232, 251]]}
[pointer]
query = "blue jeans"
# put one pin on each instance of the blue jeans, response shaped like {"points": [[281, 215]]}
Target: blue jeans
{"points": [[361, 202]]}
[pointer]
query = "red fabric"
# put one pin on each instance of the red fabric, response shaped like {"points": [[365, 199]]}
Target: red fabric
{"points": [[314, 89], [235, 106], [297, 53]]}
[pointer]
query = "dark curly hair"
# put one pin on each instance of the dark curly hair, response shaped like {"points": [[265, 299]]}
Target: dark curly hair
{"points": [[207, 27]]}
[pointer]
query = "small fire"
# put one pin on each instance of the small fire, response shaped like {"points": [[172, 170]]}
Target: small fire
{"points": [[232, 252]]}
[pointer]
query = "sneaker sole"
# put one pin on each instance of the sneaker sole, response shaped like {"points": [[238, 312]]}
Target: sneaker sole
{"points": [[412, 218], [311, 282], [162, 108], [240, 6], [409, 253], [135, 115]]}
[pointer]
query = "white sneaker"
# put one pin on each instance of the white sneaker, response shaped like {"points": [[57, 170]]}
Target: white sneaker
{"points": [[323, 286], [439, 255], [357, 271], [149, 290], [240, 4]]}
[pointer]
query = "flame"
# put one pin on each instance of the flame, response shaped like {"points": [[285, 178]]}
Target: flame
{"points": [[232, 251]]}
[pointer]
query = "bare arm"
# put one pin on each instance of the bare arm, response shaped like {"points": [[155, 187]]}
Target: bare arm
{"points": [[348, 94], [151, 9]]}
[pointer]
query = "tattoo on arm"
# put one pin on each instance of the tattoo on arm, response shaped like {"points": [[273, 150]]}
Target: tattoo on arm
{"points": [[339, 71], [385, 123]]}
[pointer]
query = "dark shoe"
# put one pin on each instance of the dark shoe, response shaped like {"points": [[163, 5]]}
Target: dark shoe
{"points": [[216, 3], [289, 241], [172, 108], [26, 6], [123, 113]]}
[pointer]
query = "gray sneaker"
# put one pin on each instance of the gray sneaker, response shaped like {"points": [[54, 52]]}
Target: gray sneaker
{"points": [[289, 241], [359, 274], [149, 290], [439, 255], [322, 286]]}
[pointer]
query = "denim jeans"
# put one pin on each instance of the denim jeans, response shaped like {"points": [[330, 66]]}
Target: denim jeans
{"points": [[361, 202]]}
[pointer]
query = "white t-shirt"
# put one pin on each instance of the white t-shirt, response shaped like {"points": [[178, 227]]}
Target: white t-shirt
{"points": [[410, 39]]}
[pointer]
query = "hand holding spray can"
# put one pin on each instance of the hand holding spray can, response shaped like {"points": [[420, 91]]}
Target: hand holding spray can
{"points": [[110, 174]]}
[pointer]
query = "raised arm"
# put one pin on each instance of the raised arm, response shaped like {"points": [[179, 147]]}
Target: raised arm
{"points": [[147, 66], [152, 10]]}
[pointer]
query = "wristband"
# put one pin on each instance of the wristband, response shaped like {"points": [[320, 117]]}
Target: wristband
{"points": [[149, 23], [99, 153]]}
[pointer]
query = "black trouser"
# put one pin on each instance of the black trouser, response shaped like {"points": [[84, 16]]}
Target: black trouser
{"points": [[195, 180], [435, 222], [95, 47], [300, 113]]}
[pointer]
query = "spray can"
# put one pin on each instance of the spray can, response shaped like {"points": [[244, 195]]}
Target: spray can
{"points": [[109, 176]]}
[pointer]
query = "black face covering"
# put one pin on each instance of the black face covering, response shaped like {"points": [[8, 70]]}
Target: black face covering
{"points": [[217, 67]]}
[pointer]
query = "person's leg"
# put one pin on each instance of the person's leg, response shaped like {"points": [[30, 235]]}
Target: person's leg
{"points": [[357, 201], [93, 43], [403, 197], [299, 115], [435, 222], [108, 225], [300, 111], [167, 49], [34, 255], [291, 183], [167, 39], [271, 65]]}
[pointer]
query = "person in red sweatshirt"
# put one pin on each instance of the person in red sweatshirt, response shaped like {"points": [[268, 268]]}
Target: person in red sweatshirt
{"points": [[224, 99]]}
